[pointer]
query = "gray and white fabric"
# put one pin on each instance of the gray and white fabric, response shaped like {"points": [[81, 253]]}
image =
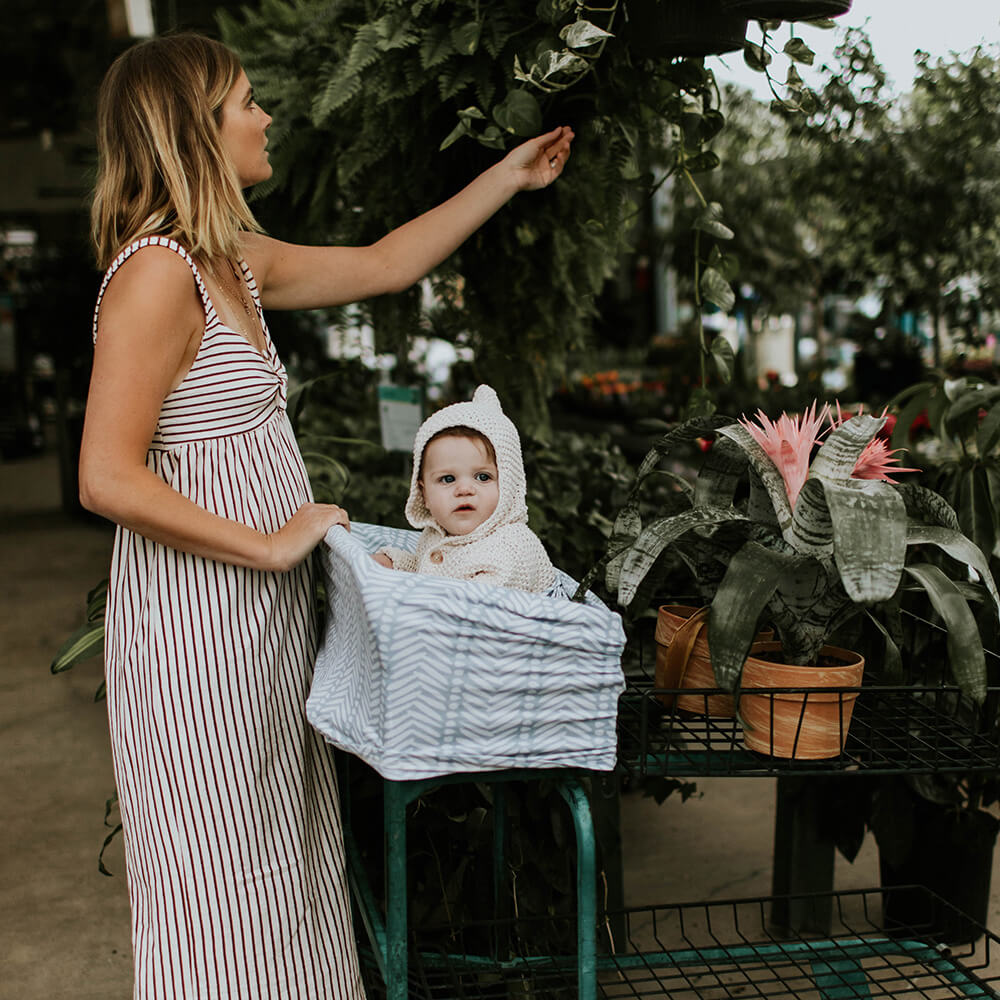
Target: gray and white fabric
{"points": [[424, 676]]}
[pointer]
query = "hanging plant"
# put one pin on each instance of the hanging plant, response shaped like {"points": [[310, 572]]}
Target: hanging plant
{"points": [[378, 116], [787, 10], [683, 28]]}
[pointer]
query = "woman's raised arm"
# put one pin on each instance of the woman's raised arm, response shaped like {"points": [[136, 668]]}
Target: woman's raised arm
{"points": [[300, 277]]}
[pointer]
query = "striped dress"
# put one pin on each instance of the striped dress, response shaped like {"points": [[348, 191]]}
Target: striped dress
{"points": [[228, 798]]}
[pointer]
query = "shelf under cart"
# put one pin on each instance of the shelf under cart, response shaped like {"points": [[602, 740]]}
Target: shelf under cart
{"points": [[716, 950], [894, 730]]}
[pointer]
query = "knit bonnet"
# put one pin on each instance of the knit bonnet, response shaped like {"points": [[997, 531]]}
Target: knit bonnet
{"points": [[484, 414]]}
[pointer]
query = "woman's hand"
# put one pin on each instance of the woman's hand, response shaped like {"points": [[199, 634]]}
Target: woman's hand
{"points": [[302, 532], [539, 161], [382, 559]]}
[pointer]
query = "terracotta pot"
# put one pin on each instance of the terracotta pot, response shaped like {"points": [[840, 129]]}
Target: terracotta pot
{"points": [[683, 660], [678, 28], [786, 10], [798, 725]]}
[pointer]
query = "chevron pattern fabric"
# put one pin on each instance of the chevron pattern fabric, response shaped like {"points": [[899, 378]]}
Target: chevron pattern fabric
{"points": [[422, 676]]}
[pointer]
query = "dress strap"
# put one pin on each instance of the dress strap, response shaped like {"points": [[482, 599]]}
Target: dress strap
{"points": [[154, 241]]}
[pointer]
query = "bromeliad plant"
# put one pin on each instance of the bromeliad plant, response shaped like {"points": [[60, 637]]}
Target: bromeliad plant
{"points": [[799, 524]]}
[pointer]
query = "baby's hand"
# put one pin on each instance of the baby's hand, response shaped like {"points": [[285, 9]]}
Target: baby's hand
{"points": [[383, 560]]}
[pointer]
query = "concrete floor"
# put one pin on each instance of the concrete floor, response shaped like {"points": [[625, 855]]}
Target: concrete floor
{"points": [[64, 928]]}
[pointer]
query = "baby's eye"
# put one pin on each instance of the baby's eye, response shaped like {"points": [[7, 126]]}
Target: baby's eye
{"points": [[446, 479], [483, 477]]}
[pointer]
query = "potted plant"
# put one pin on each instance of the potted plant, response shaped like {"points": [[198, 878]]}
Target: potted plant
{"points": [[797, 523]]}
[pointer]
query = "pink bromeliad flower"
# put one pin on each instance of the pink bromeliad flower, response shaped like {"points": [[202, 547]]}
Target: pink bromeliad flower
{"points": [[789, 442]]}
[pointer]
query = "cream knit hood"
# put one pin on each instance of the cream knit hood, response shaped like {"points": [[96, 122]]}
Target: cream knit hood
{"points": [[482, 413]]}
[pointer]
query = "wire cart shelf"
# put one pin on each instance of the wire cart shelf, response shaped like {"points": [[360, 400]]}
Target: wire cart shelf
{"points": [[726, 949], [894, 730]]}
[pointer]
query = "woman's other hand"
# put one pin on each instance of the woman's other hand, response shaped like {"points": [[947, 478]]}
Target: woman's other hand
{"points": [[303, 531], [539, 161], [382, 559]]}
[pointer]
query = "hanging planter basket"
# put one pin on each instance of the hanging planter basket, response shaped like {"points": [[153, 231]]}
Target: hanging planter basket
{"points": [[683, 662], [673, 29], [809, 720], [786, 10]]}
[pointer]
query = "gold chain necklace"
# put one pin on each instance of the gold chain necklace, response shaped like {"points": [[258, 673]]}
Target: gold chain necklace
{"points": [[239, 298]]}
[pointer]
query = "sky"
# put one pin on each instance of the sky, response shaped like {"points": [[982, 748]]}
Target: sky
{"points": [[897, 29]]}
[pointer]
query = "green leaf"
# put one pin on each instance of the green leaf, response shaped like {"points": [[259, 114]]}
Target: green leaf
{"points": [[461, 129], [436, 46], [709, 220], [965, 648], [988, 431], [914, 405], [582, 34], [969, 403], [97, 601], [684, 433], [927, 505], [811, 531], [792, 79], [839, 453], [869, 537], [725, 360], [491, 138], [107, 841], [960, 548], [628, 526], [892, 659], [721, 472], [702, 162], [519, 113], [976, 515], [466, 38], [661, 533], [85, 642], [700, 403], [797, 49], [715, 289], [750, 581], [756, 57]]}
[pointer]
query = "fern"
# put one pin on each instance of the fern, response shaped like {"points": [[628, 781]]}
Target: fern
{"points": [[360, 107]]}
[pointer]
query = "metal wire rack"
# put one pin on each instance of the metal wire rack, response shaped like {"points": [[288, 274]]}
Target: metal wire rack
{"points": [[894, 730], [725, 949]]}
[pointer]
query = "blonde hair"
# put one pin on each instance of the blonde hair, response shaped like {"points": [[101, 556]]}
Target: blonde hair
{"points": [[162, 169]]}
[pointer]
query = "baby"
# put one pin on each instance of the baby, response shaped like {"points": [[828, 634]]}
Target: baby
{"points": [[468, 495]]}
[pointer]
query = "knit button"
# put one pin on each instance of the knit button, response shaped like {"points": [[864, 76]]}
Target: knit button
{"points": [[437, 556]]}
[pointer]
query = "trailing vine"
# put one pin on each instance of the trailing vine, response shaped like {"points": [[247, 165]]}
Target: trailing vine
{"points": [[382, 109]]}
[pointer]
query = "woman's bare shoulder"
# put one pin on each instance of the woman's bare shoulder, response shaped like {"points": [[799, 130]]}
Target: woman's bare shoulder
{"points": [[153, 279]]}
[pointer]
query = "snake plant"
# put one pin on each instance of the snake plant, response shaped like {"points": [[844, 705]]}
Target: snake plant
{"points": [[802, 527]]}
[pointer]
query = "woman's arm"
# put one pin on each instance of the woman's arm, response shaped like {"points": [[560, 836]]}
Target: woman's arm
{"points": [[151, 324], [300, 277]]}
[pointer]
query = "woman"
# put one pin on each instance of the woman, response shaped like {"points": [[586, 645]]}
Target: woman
{"points": [[228, 798]]}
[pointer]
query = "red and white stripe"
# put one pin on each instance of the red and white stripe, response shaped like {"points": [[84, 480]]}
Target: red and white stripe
{"points": [[228, 797]]}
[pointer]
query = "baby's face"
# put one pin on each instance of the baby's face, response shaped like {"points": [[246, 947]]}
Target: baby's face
{"points": [[460, 483]]}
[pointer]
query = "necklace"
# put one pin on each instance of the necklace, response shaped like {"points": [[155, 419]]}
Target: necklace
{"points": [[236, 296]]}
